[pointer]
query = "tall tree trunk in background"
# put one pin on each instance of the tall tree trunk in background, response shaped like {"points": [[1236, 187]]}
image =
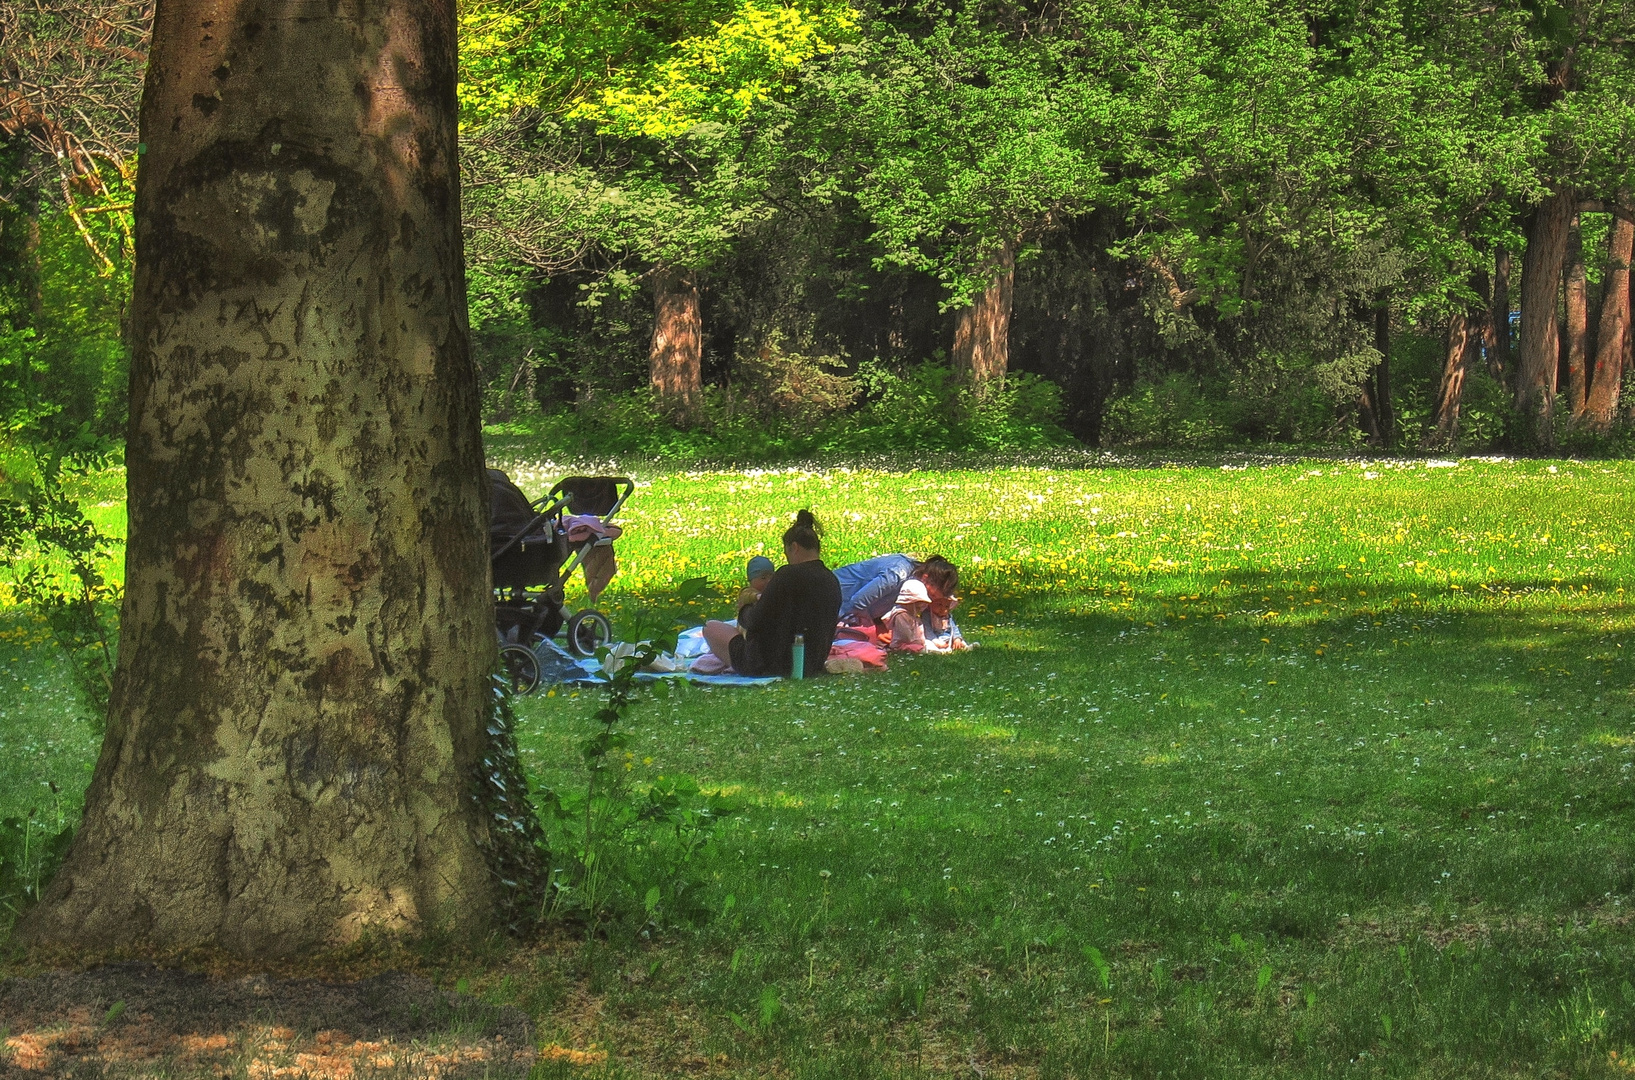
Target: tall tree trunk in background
{"points": [[1535, 386], [1496, 337], [1368, 418], [1463, 334], [1613, 337], [982, 332], [299, 709], [675, 361], [1576, 350], [1384, 408]]}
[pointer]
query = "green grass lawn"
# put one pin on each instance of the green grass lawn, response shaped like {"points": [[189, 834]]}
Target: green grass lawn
{"points": [[1327, 763]]}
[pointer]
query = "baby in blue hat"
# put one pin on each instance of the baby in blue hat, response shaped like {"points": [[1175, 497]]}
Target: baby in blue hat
{"points": [[759, 572]]}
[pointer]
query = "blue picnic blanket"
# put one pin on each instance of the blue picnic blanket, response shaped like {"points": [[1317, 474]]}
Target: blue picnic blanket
{"points": [[558, 667], [712, 680]]}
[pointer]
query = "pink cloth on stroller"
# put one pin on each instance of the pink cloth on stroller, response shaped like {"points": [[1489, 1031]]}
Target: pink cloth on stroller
{"points": [[581, 527]]}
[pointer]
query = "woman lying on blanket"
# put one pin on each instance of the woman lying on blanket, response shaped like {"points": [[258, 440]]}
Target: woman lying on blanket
{"points": [[871, 594], [801, 598]]}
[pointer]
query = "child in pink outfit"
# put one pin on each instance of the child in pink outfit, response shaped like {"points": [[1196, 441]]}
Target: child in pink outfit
{"points": [[905, 623]]}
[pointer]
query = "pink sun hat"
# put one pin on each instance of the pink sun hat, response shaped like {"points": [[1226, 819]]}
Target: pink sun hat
{"points": [[913, 592]]}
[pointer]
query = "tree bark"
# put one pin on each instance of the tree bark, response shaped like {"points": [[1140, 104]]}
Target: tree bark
{"points": [[1463, 334], [676, 358], [1368, 418], [1497, 332], [1612, 339], [982, 330], [298, 716], [1535, 386], [1384, 408], [1577, 325]]}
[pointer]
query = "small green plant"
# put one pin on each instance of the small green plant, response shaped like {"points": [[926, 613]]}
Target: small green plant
{"points": [[56, 558], [620, 839], [30, 852], [1583, 1022]]}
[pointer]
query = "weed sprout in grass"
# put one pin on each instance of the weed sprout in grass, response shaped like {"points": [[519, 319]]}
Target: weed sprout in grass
{"points": [[620, 838]]}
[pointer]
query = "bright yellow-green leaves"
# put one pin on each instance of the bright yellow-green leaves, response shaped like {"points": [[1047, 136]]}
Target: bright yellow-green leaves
{"points": [[720, 76], [636, 72]]}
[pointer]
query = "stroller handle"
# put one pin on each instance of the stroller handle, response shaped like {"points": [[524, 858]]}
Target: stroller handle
{"points": [[555, 501], [625, 486]]}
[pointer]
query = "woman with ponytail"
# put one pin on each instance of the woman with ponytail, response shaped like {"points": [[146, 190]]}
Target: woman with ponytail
{"points": [[801, 598]]}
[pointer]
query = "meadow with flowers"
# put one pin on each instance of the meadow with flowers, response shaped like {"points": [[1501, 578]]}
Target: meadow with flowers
{"points": [[1263, 767]]}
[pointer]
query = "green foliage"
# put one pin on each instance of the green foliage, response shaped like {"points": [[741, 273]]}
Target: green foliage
{"points": [[970, 139], [620, 840], [927, 408], [1174, 412], [30, 852], [57, 560], [63, 286], [922, 408], [720, 77]]}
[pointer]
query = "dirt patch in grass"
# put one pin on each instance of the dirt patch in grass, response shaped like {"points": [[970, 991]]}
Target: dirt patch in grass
{"points": [[136, 1019]]}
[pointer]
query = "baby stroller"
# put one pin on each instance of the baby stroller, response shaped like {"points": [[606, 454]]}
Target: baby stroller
{"points": [[534, 548]]}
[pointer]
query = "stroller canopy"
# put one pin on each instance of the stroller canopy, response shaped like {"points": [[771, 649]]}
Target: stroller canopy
{"points": [[511, 513]]}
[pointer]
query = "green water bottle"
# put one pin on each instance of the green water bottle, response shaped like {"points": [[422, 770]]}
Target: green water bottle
{"points": [[797, 658]]}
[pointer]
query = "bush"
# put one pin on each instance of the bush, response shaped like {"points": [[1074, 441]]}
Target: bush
{"points": [[798, 407], [1173, 412]]}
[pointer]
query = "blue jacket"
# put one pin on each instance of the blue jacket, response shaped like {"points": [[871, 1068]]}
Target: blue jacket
{"points": [[869, 588]]}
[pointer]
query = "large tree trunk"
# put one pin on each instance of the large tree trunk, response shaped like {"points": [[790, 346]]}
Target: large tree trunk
{"points": [[299, 709], [1575, 352], [1613, 336], [1496, 335], [982, 331], [1535, 386], [1463, 333], [676, 358]]}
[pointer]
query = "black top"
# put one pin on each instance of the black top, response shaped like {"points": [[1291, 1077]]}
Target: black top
{"points": [[800, 599]]}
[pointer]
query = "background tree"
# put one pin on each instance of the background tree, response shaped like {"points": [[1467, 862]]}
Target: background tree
{"points": [[690, 133], [972, 133]]}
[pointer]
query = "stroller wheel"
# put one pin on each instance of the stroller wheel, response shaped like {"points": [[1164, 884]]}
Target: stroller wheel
{"points": [[587, 632], [521, 668]]}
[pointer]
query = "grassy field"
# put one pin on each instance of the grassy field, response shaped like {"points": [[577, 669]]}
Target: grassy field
{"points": [[1288, 769]]}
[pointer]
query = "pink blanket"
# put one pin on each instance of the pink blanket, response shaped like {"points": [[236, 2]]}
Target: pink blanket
{"points": [[871, 654]]}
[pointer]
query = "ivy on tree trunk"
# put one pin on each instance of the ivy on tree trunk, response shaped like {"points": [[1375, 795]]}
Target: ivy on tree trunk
{"points": [[1497, 334]]}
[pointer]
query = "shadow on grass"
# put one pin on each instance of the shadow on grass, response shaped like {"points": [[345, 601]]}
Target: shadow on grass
{"points": [[135, 1019]]}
